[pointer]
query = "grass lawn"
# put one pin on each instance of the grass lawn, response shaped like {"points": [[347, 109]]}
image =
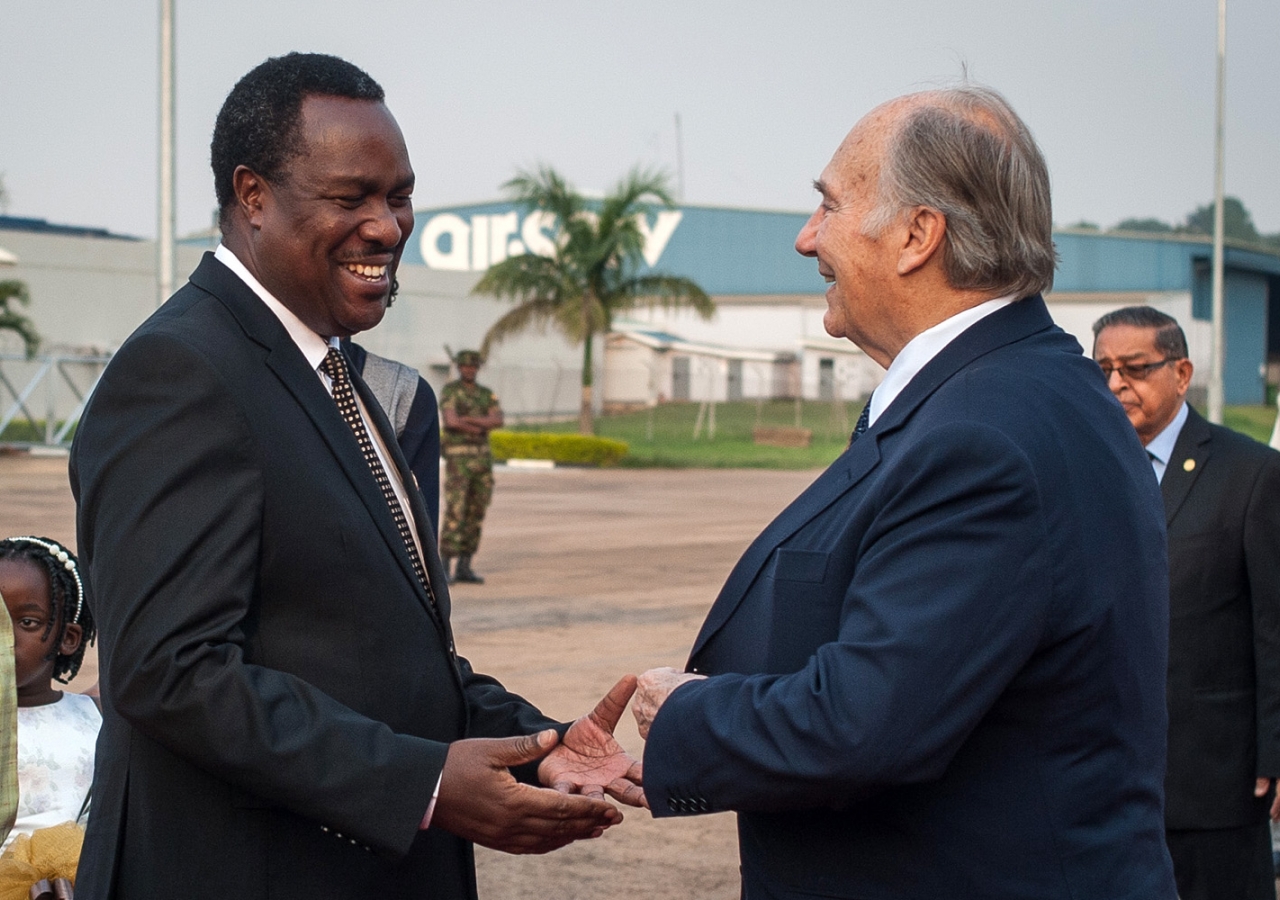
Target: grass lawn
{"points": [[1255, 421], [663, 436]]}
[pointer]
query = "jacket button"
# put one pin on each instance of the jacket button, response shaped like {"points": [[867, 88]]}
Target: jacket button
{"points": [[672, 805]]}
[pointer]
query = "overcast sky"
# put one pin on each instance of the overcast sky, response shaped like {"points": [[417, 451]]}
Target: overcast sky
{"points": [[1119, 93]]}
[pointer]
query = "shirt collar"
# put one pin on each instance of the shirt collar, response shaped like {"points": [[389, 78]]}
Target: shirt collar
{"points": [[924, 347], [313, 346], [1161, 446]]}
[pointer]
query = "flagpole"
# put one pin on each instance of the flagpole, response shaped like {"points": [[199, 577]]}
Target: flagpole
{"points": [[1217, 353], [166, 220]]}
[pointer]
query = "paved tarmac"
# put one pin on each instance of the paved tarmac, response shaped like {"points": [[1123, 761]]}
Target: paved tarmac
{"points": [[589, 574]]}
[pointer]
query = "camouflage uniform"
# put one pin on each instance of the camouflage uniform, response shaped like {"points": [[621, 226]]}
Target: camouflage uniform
{"points": [[468, 474]]}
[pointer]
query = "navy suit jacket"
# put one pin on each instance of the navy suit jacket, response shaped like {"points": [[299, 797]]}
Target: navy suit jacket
{"points": [[940, 672], [278, 693]]}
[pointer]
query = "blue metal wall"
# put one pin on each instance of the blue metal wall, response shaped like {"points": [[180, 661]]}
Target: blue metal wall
{"points": [[1245, 300], [752, 252], [1101, 262], [741, 251], [727, 251]]}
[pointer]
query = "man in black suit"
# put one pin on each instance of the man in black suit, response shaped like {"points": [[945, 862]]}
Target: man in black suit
{"points": [[284, 711], [1222, 505]]}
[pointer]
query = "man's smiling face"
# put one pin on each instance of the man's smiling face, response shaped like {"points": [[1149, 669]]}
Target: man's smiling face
{"points": [[857, 267], [327, 237]]}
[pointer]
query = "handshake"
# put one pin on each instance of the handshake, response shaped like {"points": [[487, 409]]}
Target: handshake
{"points": [[480, 800]]}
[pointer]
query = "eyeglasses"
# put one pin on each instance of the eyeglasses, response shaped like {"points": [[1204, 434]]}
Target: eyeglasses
{"points": [[1135, 371]]}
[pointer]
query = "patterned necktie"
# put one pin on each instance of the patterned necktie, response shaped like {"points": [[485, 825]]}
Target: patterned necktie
{"points": [[335, 366], [861, 428]]}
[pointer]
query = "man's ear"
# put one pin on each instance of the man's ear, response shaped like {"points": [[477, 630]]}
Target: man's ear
{"points": [[924, 229], [1182, 370], [251, 192]]}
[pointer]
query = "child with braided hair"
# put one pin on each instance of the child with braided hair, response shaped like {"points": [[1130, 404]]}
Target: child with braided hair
{"points": [[57, 730]]}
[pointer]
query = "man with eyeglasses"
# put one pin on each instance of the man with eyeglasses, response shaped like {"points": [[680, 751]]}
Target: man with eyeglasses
{"points": [[1222, 505]]}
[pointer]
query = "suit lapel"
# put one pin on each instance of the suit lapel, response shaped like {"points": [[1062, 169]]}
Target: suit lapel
{"points": [[840, 477], [421, 518], [289, 365], [1190, 453], [1005, 326]]}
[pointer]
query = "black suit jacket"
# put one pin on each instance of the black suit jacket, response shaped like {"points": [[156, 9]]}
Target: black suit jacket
{"points": [[940, 671], [278, 693], [1222, 500]]}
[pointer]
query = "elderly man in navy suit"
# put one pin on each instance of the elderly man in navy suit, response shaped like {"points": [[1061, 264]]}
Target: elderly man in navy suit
{"points": [[940, 671]]}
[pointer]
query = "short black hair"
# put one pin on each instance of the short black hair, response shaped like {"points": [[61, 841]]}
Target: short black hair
{"points": [[1170, 339], [68, 604], [258, 123]]}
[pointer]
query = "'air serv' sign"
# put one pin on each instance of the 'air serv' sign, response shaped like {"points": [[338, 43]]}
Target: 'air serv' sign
{"points": [[464, 241]]}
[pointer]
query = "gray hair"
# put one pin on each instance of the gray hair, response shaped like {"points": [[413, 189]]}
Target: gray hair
{"points": [[964, 152], [1170, 339]]}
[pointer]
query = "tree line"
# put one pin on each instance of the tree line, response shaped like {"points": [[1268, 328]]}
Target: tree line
{"points": [[1237, 224]]}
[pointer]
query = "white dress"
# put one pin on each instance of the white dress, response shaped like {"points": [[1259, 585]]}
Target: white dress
{"points": [[55, 761]]}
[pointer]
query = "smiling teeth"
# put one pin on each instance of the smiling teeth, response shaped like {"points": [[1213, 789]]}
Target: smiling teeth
{"points": [[373, 273]]}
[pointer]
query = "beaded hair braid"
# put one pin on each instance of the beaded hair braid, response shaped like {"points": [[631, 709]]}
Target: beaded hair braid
{"points": [[66, 596]]}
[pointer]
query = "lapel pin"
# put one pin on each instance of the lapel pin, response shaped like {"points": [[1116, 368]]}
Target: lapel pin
{"points": [[1189, 465]]}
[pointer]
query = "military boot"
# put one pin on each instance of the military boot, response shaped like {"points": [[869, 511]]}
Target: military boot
{"points": [[447, 561], [464, 574]]}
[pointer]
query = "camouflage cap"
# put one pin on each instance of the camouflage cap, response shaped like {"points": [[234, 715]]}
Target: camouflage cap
{"points": [[468, 358]]}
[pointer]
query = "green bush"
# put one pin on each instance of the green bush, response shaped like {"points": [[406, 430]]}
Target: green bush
{"points": [[23, 431], [570, 449]]}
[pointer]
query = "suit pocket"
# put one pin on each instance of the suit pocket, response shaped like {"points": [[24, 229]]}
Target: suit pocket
{"points": [[805, 610], [800, 565]]}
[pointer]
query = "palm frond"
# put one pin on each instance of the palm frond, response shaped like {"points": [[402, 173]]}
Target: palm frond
{"points": [[638, 191], [667, 291], [537, 312], [12, 320], [599, 251], [547, 190], [522, 277]]}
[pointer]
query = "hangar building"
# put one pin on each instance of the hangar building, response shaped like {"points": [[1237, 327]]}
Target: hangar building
{"points": [[90, 288]]}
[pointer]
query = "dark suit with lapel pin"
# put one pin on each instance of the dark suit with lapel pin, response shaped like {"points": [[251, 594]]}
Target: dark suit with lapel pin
{"points": [[940, 670], [1222, 503], [280, 691]]}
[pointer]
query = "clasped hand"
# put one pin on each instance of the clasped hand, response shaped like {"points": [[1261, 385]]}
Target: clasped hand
{"points": [[654, 687], [590, 761], [481, 801]]}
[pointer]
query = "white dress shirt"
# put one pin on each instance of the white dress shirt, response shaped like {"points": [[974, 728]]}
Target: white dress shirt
{"points": [[921, 349], [315, 348]]}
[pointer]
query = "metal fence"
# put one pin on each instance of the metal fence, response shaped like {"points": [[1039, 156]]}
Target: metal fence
{"points": [[533, 393], [45, 395]]}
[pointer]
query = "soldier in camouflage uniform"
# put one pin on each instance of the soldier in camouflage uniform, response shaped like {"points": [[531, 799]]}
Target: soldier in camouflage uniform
{"points": [[470, 411]]}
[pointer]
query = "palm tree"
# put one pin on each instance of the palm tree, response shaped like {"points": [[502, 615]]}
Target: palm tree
{"points": [[12, 320], [593, 273]]}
